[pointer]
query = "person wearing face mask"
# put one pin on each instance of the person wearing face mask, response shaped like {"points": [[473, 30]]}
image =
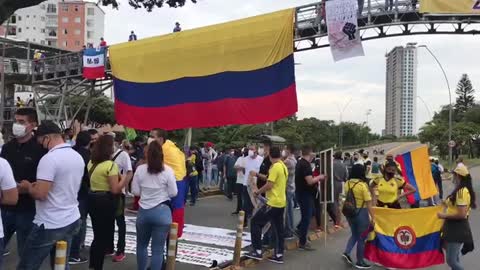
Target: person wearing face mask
{"points": [[305, 190], [290, 162], [122, 159], [230, 173], [57, 217], [252, 164], [266, 163], [23, 153], [388, 159], [239, 187], [389, 186]]}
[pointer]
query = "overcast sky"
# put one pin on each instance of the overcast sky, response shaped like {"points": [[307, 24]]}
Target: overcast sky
{"points": [[322, 84]]}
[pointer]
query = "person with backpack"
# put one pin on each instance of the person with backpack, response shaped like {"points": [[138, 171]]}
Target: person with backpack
{"points": [[358, 210]]}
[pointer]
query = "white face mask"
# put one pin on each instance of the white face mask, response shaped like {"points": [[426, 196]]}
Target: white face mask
{"points": [[284, 153], [150, 140], [261, 151], [19, 130], [251, 153]]}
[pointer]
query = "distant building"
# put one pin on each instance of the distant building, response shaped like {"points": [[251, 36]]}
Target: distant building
{"points": [[64, 24], [401, 91]]}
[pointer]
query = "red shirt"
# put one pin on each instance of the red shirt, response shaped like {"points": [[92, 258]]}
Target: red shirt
{"points": [[103, 44]]}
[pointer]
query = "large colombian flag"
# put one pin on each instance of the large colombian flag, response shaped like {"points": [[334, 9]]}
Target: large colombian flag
{"points": [[406, 238], [240, 72], [417, 171]]}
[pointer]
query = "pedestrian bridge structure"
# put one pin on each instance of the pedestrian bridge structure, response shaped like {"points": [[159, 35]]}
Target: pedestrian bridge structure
{"points": [[60, 72]]}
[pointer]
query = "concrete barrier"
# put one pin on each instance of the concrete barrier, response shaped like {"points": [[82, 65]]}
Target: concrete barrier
{"points": [[172, 247], [60, 255], [237, 252]]}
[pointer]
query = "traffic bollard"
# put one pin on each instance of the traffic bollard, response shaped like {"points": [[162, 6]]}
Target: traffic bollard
{"points": [[172, 247], [237, 252], [60, 255]]}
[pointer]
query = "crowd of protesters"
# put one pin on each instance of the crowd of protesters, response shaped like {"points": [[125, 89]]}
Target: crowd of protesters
{"points": [[52, 180]]}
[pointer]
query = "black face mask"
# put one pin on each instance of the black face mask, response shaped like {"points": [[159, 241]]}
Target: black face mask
{"points": [[390, 175]]}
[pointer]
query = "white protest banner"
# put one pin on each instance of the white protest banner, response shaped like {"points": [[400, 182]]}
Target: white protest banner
{"points": [[213, 236], [343, 33]]}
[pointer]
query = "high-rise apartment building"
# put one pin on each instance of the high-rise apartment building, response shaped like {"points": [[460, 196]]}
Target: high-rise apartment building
{"points": [[63, 24], [401, 91]]}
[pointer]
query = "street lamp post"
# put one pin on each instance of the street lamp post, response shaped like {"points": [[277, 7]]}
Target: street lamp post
{"points": [[450, 109], [340, 127], [369, 111]]}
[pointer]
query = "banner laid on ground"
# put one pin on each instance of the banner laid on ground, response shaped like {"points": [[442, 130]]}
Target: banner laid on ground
{"points": [[208, 77], [187, 252], [450, 6], [213, 236], [343, 32], [417, 171], [406, 238], [94, 63]]}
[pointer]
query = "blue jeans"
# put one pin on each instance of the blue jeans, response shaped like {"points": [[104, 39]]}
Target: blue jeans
{"points": [[20, 222], [289, 229], [358, 226], [79, 238], [152, 224], [305, 200], [193, 188], [453, 255], [41, 243]]}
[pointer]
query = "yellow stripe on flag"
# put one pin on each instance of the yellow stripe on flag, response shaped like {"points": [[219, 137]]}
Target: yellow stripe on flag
{"points": [[449, 6], [423, 172], [241, 45], [387, 221]]}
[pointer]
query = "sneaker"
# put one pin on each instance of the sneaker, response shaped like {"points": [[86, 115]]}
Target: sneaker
{"points": [[362, 265], [77, 260], [306, 247], [235, 213], [6, 252], [119, 257], [276, 259], [254, 255], [109, 254], [347, 258]]}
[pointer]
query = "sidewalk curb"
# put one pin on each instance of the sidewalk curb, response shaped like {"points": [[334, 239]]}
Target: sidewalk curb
{"points": [[289, 245]]}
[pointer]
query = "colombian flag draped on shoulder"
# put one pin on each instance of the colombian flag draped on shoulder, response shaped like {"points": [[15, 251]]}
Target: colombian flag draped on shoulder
{"points": [[450, 6], [406, 238], [175, 158], [417, 171], [240, 72]]}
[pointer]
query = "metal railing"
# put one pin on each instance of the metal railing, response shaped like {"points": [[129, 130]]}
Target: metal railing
{"points": [[17, 66]]}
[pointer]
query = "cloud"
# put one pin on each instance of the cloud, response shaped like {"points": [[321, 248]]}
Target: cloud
{"points": [[321, 82]]}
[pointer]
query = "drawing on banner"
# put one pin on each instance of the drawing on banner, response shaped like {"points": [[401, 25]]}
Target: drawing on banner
{"points": [[213, 236], [343, 32]]}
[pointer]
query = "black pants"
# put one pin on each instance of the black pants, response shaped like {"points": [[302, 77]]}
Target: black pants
{"points": [[330, 210], [230, 186], [260, 219], [239, 191], [440, 187], [122, 226], [101, 207]]}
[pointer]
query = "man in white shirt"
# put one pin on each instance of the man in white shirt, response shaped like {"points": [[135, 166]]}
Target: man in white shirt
{"points": [[122, 159], [8, 195], [252, 164], [240, 167], [59, 176]]}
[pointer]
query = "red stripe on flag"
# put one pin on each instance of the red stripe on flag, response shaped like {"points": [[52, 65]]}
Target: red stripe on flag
{"points": [[178, 216], [210, 114], [403, 261], [94, 72]]}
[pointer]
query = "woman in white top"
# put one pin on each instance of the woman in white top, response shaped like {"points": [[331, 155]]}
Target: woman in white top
{"points": [[155, 183]]}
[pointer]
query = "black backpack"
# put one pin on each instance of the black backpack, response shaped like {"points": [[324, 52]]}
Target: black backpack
{"points": [[349, 209]]}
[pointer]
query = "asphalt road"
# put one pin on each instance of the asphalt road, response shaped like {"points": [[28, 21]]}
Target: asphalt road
{"points": [[215, 212]]}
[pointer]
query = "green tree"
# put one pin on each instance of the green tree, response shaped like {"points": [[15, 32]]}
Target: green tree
{"points": [[465, 98]]}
